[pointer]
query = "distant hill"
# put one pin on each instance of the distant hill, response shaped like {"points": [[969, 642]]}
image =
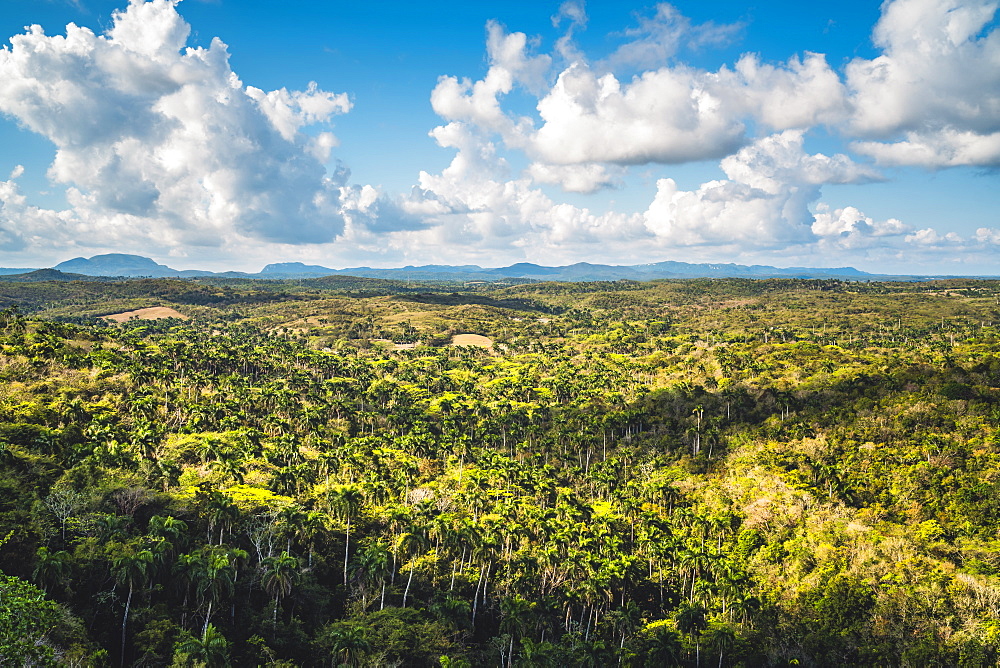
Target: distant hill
{"points": [[116, 264], [119, 264], [294, 269], [581, 271], [134, 266], [40, 275]]}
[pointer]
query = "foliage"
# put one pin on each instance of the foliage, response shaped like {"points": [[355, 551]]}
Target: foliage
{"points": [[307, 473]]}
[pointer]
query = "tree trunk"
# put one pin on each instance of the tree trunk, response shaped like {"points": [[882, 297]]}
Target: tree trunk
{"points": [[347, 545], [407, 590], [208, 616], [128, 604]]}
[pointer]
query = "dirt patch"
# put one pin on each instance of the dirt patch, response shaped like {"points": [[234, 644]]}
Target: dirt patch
{"points": [[154, 313], [471, 340]]}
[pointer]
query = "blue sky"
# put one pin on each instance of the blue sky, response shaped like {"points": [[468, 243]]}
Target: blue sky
{"points": [[226, 135]]}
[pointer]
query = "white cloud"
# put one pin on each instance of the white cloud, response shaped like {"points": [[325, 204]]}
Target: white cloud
{"points": [[659, 37], [849, 228], [163, 144], [475, 205], [586, 178], [290, 111], [777, 160], [593, 124], [931, 237], [801, 93], [988, 235], [943, 148], [368, 208], [24, 226], [573, 11], [160, 144], [937, 83], [590, 118], [663, 116], [478, 103], [765, 202]]}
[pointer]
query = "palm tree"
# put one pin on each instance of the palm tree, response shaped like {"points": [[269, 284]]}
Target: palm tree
{"points": [[280, 575], [220, 510], [216, 577], [347, 643], [345, 501], [128, 568], [168, 528], [407, 545], [722, 637], [211, 649], [51, 567], [371, 563], [691, 620]]}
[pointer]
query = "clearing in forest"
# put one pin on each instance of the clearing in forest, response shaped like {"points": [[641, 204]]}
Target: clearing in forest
{"points": [[152, 313], [471, 340]]}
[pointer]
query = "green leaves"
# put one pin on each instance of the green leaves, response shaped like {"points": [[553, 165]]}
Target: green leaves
{"points": [[26, 620]]}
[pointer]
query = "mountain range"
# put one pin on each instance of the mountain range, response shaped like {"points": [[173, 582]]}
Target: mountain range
{"points": [[122, 265]]}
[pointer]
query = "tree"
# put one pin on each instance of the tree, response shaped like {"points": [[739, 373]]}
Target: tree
{"points": [[722, 637], [26, 619], [51, 567], [345, 501], [65, 503], [280, 575], [691, 621], [407, 545], [130, 567], [346, 643], [210, 650]]}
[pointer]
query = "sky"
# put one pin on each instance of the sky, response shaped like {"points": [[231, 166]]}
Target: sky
{"points": [[229, 134]]}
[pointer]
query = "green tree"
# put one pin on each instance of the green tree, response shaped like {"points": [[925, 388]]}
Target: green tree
{"points": [[129, 568], [26, 620], [210, 650], [345, 501], [280, 575]]}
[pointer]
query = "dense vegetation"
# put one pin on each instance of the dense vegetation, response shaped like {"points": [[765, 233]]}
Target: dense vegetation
{"points": [[670, 473]]}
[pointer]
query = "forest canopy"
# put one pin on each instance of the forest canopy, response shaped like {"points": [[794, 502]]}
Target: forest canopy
{"points": [[717, 472]]}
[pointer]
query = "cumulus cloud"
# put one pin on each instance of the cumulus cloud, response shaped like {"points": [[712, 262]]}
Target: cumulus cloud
{"points": [[944, 148], [594, 121], [910, 106], [160, 142], [373, 210], [937, 83], [475, 202], [765, 201], [778, 160], [587, 178], [849, 228], [803, 92], [988, 235], [163, 144], [590, 118], [763, 204], [662, 116], [931, 237], [478, 103]]}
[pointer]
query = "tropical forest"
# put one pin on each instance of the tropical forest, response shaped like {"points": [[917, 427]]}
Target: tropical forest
{"points": [[360, 472]]}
